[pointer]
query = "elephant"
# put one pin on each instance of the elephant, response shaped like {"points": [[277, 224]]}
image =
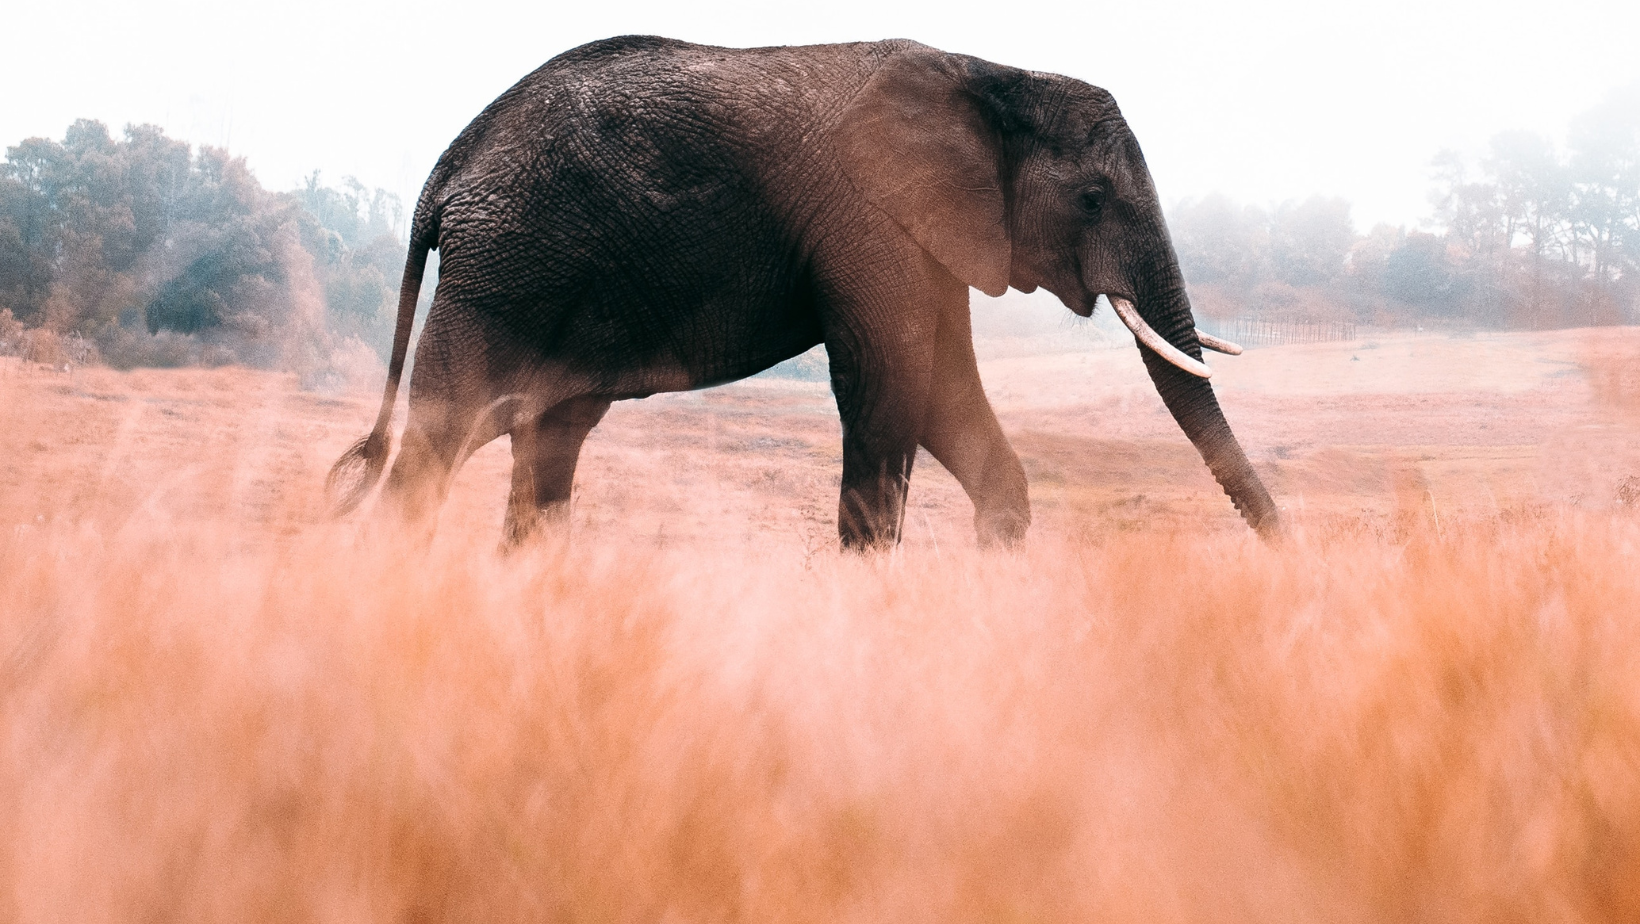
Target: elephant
{"points": [[643, 215]]}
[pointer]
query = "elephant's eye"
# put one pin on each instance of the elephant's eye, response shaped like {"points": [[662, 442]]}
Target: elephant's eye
{"points": [[1093, 202]]}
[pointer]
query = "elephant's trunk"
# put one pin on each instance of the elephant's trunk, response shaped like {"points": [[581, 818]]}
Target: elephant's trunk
{"points": [[1191, 401]]}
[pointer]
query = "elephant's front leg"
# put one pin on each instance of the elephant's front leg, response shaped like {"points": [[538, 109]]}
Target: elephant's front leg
{"points": [[545, 451], [876, 480], [963, 434], [881, 376]]}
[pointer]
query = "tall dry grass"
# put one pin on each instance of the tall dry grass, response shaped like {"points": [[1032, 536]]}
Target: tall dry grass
{"points": [[1430, 725]]}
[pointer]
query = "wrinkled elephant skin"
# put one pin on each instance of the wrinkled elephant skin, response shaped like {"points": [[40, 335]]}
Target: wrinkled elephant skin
{"points": [[642, 215]]}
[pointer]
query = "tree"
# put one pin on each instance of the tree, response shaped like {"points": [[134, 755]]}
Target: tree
{"points": [[1309, 240], [1604, 174], [1532, 189], [1220, 242], [358, 256], [124, 239], [1368, 260], [1417, 273], [1472, 210], [358, 214]]}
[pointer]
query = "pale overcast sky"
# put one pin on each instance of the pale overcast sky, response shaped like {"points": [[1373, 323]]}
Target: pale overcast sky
{"points": [[1264, 101]]}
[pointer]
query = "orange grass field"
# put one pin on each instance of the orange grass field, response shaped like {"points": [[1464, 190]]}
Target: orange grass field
{"points": [[1424, 706]]}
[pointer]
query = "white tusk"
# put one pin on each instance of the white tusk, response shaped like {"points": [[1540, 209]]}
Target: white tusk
{"points": [[1210, 342], [1158, 345]]}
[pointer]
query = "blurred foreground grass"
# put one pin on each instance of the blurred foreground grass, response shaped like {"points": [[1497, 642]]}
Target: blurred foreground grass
{"points": [[1431, 724]]}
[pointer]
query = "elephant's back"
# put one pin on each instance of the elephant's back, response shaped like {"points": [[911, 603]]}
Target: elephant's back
{"points": [[639, 193], [636, 98], [631, 142]]}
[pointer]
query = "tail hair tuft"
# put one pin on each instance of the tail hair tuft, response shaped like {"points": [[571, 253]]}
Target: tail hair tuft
{"points": [[355, 473]]}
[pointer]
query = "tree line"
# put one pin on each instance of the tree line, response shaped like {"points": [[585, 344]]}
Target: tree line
{"points": [[142, 251], [1530, 236]]}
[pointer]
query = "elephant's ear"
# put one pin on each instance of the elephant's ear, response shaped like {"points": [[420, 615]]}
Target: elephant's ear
{"points": [[917, 144]]}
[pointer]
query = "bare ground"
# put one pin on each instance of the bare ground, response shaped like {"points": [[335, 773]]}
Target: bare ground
{"points": [[215, 705], [1478, 423]]}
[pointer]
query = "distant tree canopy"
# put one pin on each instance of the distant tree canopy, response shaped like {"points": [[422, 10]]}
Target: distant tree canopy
{"points": [[163, 255], [160, 254], [1534, 238]]}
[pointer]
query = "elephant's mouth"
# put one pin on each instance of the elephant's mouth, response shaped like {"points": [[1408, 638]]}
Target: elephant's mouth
{"points": [[1090, 301]]}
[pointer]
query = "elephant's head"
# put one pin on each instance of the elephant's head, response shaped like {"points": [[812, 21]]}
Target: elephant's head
{"points": [[1016, 178]]}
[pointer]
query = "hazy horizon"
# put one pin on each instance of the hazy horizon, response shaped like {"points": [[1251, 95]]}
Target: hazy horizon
{"points": [[1273, 102], [1411, 695]]}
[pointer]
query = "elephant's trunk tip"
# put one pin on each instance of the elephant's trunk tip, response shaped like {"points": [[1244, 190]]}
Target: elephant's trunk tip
{"points": [[1266, 521], [356, 472]]}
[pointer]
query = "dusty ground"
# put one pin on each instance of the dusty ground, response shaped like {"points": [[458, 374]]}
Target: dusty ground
{"points": [[1475, 423], [1423, 706]]}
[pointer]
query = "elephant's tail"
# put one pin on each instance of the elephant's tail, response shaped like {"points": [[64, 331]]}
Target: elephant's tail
{"points": [[358, 470]]}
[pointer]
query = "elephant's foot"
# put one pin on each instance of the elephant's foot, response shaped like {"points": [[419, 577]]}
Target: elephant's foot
{"points": [[870, 521], [871, 508], [859, 533], [1001, 528], [529, 524]]}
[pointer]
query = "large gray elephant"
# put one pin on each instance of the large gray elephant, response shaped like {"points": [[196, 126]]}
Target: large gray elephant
{"points": [[643, 215]]}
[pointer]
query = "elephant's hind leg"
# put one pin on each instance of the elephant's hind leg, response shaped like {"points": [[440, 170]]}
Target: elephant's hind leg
{"points": [[438, 438], [458, 403], [546, 448]]}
